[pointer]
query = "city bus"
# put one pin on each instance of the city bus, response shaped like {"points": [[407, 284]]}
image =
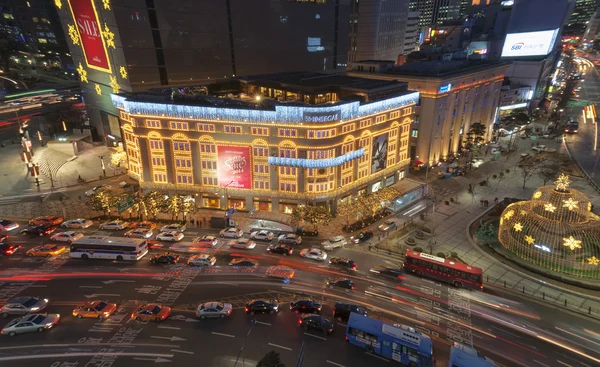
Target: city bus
{"points": [[464, 356], [399, 343], [113, 248], [458, 274]]}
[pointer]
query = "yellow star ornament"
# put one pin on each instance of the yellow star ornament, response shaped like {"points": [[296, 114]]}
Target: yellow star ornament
{"points": [[518, 227], [114, 84], [106, 4], [593, 261], [73, 34], [82, 73], [98, 89], [109, 37], [530, 240], [562, 182], [123, 72], [570, 204], [537, 195], [571, 243], [509, 214], [58, 3], [549, 208]]}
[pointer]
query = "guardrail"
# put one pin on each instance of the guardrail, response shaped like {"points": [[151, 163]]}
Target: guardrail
{"points": [[584, 172]]}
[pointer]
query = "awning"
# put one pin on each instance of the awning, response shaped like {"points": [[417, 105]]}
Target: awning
{"points": [[418, 163]]}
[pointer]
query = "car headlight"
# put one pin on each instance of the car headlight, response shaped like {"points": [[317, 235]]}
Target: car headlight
{"points": [[34, 308]]}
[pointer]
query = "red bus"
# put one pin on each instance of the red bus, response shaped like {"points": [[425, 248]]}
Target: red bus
{"points": [[458, 274]]}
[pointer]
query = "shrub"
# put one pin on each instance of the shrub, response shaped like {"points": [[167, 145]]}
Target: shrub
{"points": [[418, 249], [494, 176], [441, 254]]}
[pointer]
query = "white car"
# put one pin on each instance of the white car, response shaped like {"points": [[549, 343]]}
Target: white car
{"points": [[231, 233], [30, 323], [290, 239], [173, 227], [117, 225], [314, 253], [95, 189], [172, 236], [242, 243], [262, 235], [213, 309], [8, 225], [205, 241], [69, 236], [334, 242], [202, 260], [139, 233], [77, 223]]}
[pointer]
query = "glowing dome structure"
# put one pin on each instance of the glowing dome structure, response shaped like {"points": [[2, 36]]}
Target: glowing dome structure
{"points": [[555, 230]]}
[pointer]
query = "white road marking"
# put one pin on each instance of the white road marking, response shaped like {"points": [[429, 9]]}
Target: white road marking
{"points": [[90, 286], [227, 335], [280, 346], [543, 364], [181, 351], [38, 286], [263, 323], [169, 327], [344, 325], [71, 355], [315, 336], [563, 363], [376, 356], [171, 338], [335, 364], [156, 360]]}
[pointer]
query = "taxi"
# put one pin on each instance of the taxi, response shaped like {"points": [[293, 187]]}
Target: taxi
{"points": [[143, 224], [151, 311], [48, 220], [95, 310], [46, 250]]}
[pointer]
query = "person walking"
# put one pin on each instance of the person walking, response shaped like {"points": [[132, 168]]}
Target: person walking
{"points": [[192, 222]]}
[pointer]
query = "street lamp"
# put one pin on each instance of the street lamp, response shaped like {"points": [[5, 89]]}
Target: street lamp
{"points": [[102, 164]]}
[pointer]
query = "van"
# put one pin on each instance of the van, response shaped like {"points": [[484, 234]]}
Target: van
{"points": [[342, 311]]}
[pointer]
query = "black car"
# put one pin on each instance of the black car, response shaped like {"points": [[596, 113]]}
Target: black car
{"points": [[341, 282], [316, 322], [262, 306], [38, 230], [166, 258], [342, 311], [7, 249], [305, 306], [342, 261], [364, 236], [388, 271], [280, 249], [307, 232]]}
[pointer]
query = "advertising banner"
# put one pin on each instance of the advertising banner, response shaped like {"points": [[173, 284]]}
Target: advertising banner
{"points": [[233, 167], [379, 155], [90, 32], [529, 43]]}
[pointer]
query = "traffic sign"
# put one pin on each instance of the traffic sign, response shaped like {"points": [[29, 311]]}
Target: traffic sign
{"points": [[577, 103], [125, 204]]}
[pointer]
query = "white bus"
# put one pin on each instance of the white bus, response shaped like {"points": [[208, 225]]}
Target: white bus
{"points": [[113, 248]]}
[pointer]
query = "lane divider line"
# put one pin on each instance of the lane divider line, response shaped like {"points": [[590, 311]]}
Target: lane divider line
{"points": [[280, 346], [227, 335]]}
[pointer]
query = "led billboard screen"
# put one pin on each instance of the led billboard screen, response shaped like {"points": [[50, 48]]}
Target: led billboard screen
{"points": [[90, 32], [529, 43], [233, 167], [379, 154]]}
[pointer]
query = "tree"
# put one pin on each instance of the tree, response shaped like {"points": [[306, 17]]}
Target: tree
{"points": [[188, 205], [271, 359], [173, 205], [103, 200], [553, 164], [154, 202], [117, 159], [528, 169], [477, 131], [297, 215], [317, 215], [345, 208]]}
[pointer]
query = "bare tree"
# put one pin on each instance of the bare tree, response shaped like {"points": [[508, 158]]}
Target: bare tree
{"points": [[528, 170], [553, 164]]}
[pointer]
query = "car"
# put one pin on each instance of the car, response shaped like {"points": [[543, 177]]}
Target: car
{"points": [[7, 249], [316, 322], [144, 224], [23, 305], [262, 235], [77, 223], [242, 261], [388, 271], [47, 220], [231, 233], [95, 310], [8, 225], [3, 237], [341, 282], [364, 236], [342, 311], [95, 189], [151, 311], [213, 309], [38, 230], [115, 225], [46, 250], [344, 262], [206, 240], [202, 260], [36, 322], [174, 227], [280, 249], [388, 225], [242, 243], [305, 306], [262, 306], [314, 253], [290, 239], [539, 148], [171, 236], [307, 232], [334, 242], [139, 233], [68, 236], [166, 258]]}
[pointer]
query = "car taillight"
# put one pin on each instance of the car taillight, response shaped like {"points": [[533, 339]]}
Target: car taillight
{"points": [[246, 309], [353, 287], [10, 251], [300, 321]]}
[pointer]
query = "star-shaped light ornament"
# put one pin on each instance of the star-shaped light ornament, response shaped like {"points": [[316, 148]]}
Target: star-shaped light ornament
{"points": [[123, 72], [73, 34], [518, 227], [562, 182], [82, 73], [114, 84], [589, 207], [530, 240], [549, 208], [106, 4], [109, 37], [509, 214], [593, 261], [98, 89], [570, 204], [571, 243], [58, 3], [537, 195]]}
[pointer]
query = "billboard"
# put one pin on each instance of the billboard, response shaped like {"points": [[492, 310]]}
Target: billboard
{"points": [[379, 153], [529, 43], [90, 34], [233, 167]]}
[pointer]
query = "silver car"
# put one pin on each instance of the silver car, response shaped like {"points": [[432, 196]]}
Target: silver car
{"points": [[23, 306], [334, 242], [29, 323], [77, 223], [213, 309], [117, 225]]}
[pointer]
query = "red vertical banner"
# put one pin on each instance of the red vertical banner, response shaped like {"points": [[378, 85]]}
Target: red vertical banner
{"points": [[234, 167], [90, 32]]}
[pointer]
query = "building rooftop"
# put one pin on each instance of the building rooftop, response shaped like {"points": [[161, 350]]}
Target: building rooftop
{"points": [[444, 68]]}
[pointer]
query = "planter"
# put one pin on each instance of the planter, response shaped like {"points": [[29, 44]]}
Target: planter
{"points": [[494, 176], [420, 235], [410, 241]]}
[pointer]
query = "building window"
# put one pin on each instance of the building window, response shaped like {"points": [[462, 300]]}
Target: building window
{"points": [[183, 163], [206, 127], [394, 115], [365, 123], [407, 111], [210, 181], [261, 185], [348, 128], [207, 148], [415, 133], [289, 187], [263, 131], [320, 134], [178, 125], [346, 180], [261, 168], [232, 129], [260, 152], [155, 124], [185, 179], [209, 165], [393, 133], [160, 177], [158, 161], [379, 119], [156, 144], [289, 133], [287, 153], [287, 171], [181, 146]]}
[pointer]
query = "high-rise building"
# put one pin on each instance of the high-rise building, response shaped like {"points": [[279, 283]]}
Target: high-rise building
{"points": [[582, 12], [593, 28], [435, 12], [124, 45]]}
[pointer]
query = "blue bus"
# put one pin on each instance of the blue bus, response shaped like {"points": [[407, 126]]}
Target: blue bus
{"points": [[400, 343], [464, 356]]}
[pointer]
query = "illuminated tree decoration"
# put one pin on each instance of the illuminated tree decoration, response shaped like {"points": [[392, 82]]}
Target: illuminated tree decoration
{"points": [[537, 195], [589, 207], [109, 37], [73, 34], [518, 227], [123, 72], [98, 89], [562, 182], [82, 73], [530, 240], [114, 84], [571, 243], [509, 214], [593, 260], [549, 208], [523, 212], [58, 3], [570, 204], [106, 4]]}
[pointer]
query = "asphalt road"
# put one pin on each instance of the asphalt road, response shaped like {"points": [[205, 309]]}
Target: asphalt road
{"points": [[510, 330]]}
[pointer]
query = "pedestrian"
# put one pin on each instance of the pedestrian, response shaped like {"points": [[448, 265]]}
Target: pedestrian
{"points": [[192, 222], [495, 200]]}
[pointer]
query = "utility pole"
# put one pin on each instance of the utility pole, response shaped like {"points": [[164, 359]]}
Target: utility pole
{"points": [[102, 164]]}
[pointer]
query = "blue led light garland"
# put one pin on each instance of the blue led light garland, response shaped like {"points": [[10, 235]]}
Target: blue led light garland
{"points": [[316, 163]]}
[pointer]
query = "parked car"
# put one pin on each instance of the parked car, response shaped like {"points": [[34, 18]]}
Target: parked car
{"points": [[242, 243], [364, 236], [205, 241], [174, 227], [388, 225], [171, 236], [151, 311], [213, 309], [341, 282], [334, 242], [114, 225], [342, 311], [139, 233], [316, 322], [68, 236], [539, 148], [307, 232], [38, 230], [231, 233], [143, 224], [77, 223], [243, 262], [262, 306], [95, 310], [23, 305], [262, 235], [290, 239], [7, 249], [46, 250], [165, 258], [305, 306], [47, 220], [343, 262], [95, 189], [280, 249], [314, 253], [30, 323], [202, 260], [8, 225]]}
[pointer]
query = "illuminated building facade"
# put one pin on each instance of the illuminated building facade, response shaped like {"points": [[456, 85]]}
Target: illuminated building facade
{"points": [[270, 142]]}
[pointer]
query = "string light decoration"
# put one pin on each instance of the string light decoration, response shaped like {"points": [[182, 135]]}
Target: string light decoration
{"points": [[555, 230], [109, 37], [82, 73], [58, 3], [73, 34], [98, 89], [123, 72], [316, 163], [114, 84], [106, 4], [593, 261]]}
